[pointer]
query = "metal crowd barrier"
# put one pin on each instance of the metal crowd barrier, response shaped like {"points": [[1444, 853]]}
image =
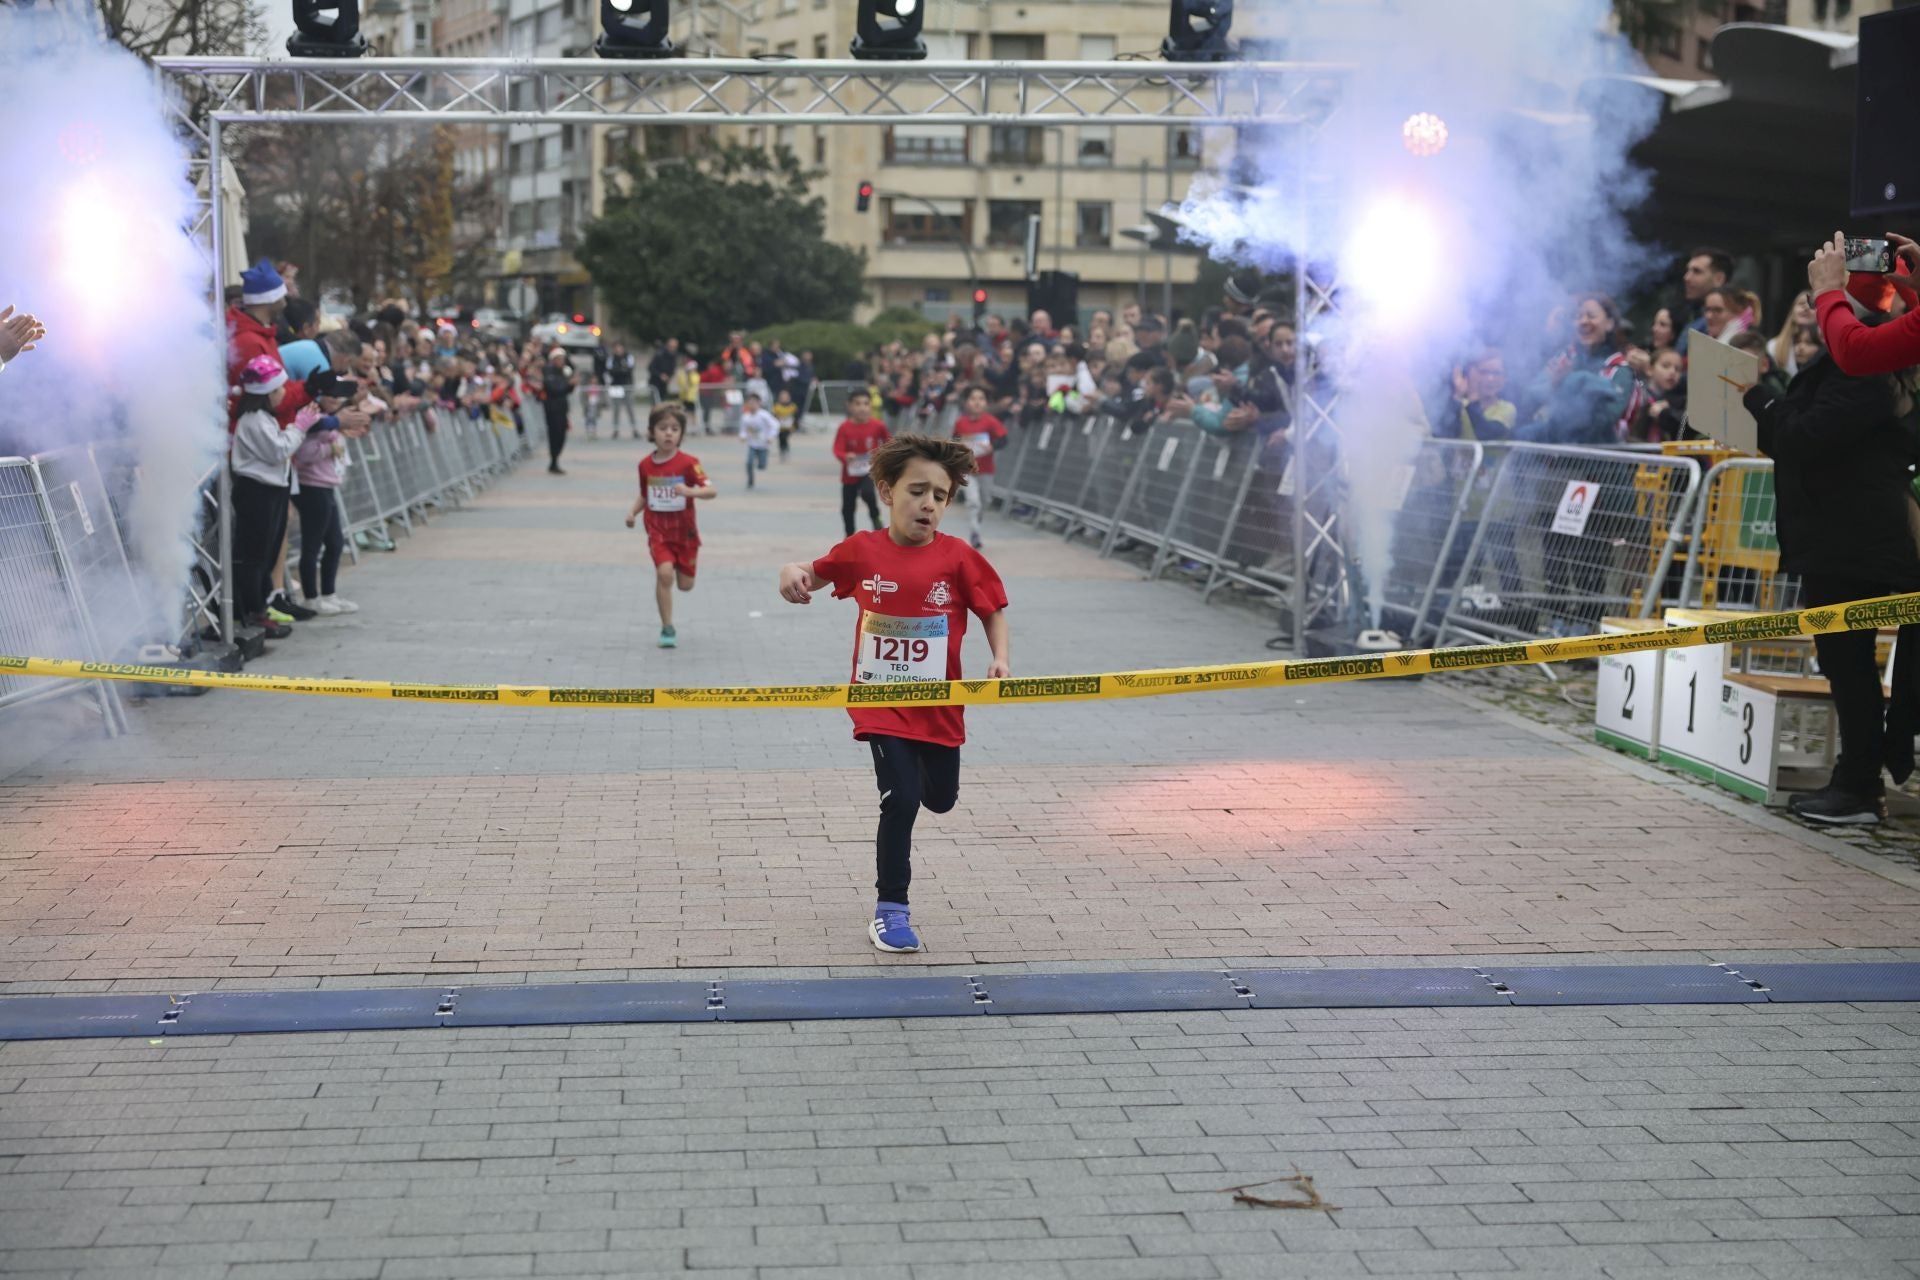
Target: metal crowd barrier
{"points": [[43, 596], [1569, 535], [1733, 558], [1476, 554], [829, 399], [70, 579], [720, 407]]}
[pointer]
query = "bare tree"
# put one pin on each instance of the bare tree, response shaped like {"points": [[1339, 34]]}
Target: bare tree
{"points": [[183, 28]]}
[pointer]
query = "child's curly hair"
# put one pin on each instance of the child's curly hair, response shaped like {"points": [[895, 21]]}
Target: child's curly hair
{"points": [[661, 412], [890, 459]]}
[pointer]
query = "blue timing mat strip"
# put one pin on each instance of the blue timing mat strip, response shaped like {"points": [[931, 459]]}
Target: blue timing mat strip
{"points": [[948, 996]]}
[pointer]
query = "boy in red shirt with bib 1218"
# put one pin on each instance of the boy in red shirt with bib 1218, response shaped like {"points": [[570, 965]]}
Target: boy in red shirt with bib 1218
{"points": [[915, 587], [669, 482]]}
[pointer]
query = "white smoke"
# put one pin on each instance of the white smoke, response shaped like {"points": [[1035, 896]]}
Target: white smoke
{"points": [[1475, 243], [95, 228]]}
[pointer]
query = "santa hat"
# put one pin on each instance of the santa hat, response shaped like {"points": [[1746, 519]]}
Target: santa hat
{"points": [[1872, 293], [262, 374], [261, 284]]}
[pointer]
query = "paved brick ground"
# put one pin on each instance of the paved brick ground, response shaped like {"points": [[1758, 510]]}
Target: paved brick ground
{"points": [[251, 842], [1678, 1142]]}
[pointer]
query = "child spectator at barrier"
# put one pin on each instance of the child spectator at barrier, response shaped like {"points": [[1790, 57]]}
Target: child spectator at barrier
{"points": [[758, 429], [316, 466], [915, 587], [669, 481], [685, 386], [853, 445], [787, 415], [983, 434], [261, 460], [1664, 416]]}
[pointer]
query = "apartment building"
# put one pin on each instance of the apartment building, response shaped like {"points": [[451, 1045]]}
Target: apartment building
{"points": [[952, 202], [547, 169]]}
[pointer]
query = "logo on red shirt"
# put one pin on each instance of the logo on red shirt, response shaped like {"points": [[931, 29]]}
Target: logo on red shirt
{"points": [[879, 586], [941, 596]]}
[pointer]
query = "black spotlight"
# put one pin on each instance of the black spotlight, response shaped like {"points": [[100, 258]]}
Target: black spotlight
{"points": [[327, 29], [634, 29], [889, 31], [1197, 31]]}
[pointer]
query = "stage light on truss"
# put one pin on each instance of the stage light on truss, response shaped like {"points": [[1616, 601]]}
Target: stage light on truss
{"points": [[889, 31], [634, 29], [327, 29], [1197, 31]]}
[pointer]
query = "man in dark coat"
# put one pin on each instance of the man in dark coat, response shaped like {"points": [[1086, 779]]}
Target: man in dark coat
{"points": [[1842, 454]]}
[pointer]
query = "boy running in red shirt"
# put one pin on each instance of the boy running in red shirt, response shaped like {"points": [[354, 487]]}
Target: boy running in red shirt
{"points": [[854, 444], [982, 433], [668, 480], [915, 587]]}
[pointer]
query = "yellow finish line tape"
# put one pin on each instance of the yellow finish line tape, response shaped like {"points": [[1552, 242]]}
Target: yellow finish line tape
{"points": [[1861, 615]]}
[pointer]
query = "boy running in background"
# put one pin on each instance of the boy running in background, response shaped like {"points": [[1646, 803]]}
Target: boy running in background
{"points": [[758, 429], [669, 480], [915, 587], [982, 433], [853, 445]]}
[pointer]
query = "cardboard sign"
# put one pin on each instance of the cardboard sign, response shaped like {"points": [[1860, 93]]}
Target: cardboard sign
{"points": [[1717, 377], [1576, 506]]}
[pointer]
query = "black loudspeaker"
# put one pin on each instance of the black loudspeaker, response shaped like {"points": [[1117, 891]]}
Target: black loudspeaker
{"points": [[1886, 121], [1058, 294]]}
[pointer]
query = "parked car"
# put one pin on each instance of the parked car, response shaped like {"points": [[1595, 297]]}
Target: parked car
{"points": [[495, 324], [572, 331]]}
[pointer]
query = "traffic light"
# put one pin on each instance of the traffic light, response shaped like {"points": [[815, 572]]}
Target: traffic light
{"points": [[979, 306], [865, 197]]}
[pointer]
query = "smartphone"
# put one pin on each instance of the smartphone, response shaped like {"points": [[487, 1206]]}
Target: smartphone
{"points": [[1874, 256]]}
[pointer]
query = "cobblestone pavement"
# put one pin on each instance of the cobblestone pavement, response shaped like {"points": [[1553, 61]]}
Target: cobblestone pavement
{"points": [[251, 842]]}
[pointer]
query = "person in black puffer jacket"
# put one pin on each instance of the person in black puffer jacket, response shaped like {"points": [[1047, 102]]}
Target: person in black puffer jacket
{"points": [[1843, 451]]}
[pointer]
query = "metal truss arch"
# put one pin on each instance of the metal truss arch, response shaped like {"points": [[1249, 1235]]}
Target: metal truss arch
{"points": [[754, 91]]}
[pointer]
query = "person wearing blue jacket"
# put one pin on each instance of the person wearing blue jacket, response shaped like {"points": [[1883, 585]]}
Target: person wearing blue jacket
{"points": [[1585, 392]]}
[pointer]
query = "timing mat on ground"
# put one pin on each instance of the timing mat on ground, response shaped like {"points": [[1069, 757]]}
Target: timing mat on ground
{"points": [[949, 995]]}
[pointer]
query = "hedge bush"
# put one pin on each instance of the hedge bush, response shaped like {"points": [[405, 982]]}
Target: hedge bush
{"points": [[837, 343]]}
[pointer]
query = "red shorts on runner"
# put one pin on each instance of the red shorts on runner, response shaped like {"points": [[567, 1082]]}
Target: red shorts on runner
{"points": [[681, 555]]}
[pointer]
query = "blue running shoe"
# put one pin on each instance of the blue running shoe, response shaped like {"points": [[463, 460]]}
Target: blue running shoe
{"points": [[890, 929], [668, 638]]}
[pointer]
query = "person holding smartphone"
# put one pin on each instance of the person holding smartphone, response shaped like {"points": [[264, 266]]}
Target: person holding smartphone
{"points": [[1857, 348]]}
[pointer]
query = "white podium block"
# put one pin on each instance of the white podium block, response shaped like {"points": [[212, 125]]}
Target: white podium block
{"points": [[1626, 714], [1750, 723], [1690, 696]]}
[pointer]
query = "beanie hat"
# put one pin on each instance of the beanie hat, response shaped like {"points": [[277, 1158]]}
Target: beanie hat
{"points": [[262, 374], [260, 284]]}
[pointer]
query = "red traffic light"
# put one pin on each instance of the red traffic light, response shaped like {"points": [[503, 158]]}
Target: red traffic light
{"points": [[579, 319], [980, 296], [865, 197]]}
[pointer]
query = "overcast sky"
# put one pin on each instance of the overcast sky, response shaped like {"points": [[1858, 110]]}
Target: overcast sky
{"points": [[279, 16]]}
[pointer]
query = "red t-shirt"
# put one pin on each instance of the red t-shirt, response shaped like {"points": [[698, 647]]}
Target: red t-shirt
{"points": [[980, 434], [669, 515], [854, 444], [913, 601]]}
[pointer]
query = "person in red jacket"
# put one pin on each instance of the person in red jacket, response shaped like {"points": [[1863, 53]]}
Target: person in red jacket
{"points": [[853, 445], [1857, 348], [250, 333]]}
